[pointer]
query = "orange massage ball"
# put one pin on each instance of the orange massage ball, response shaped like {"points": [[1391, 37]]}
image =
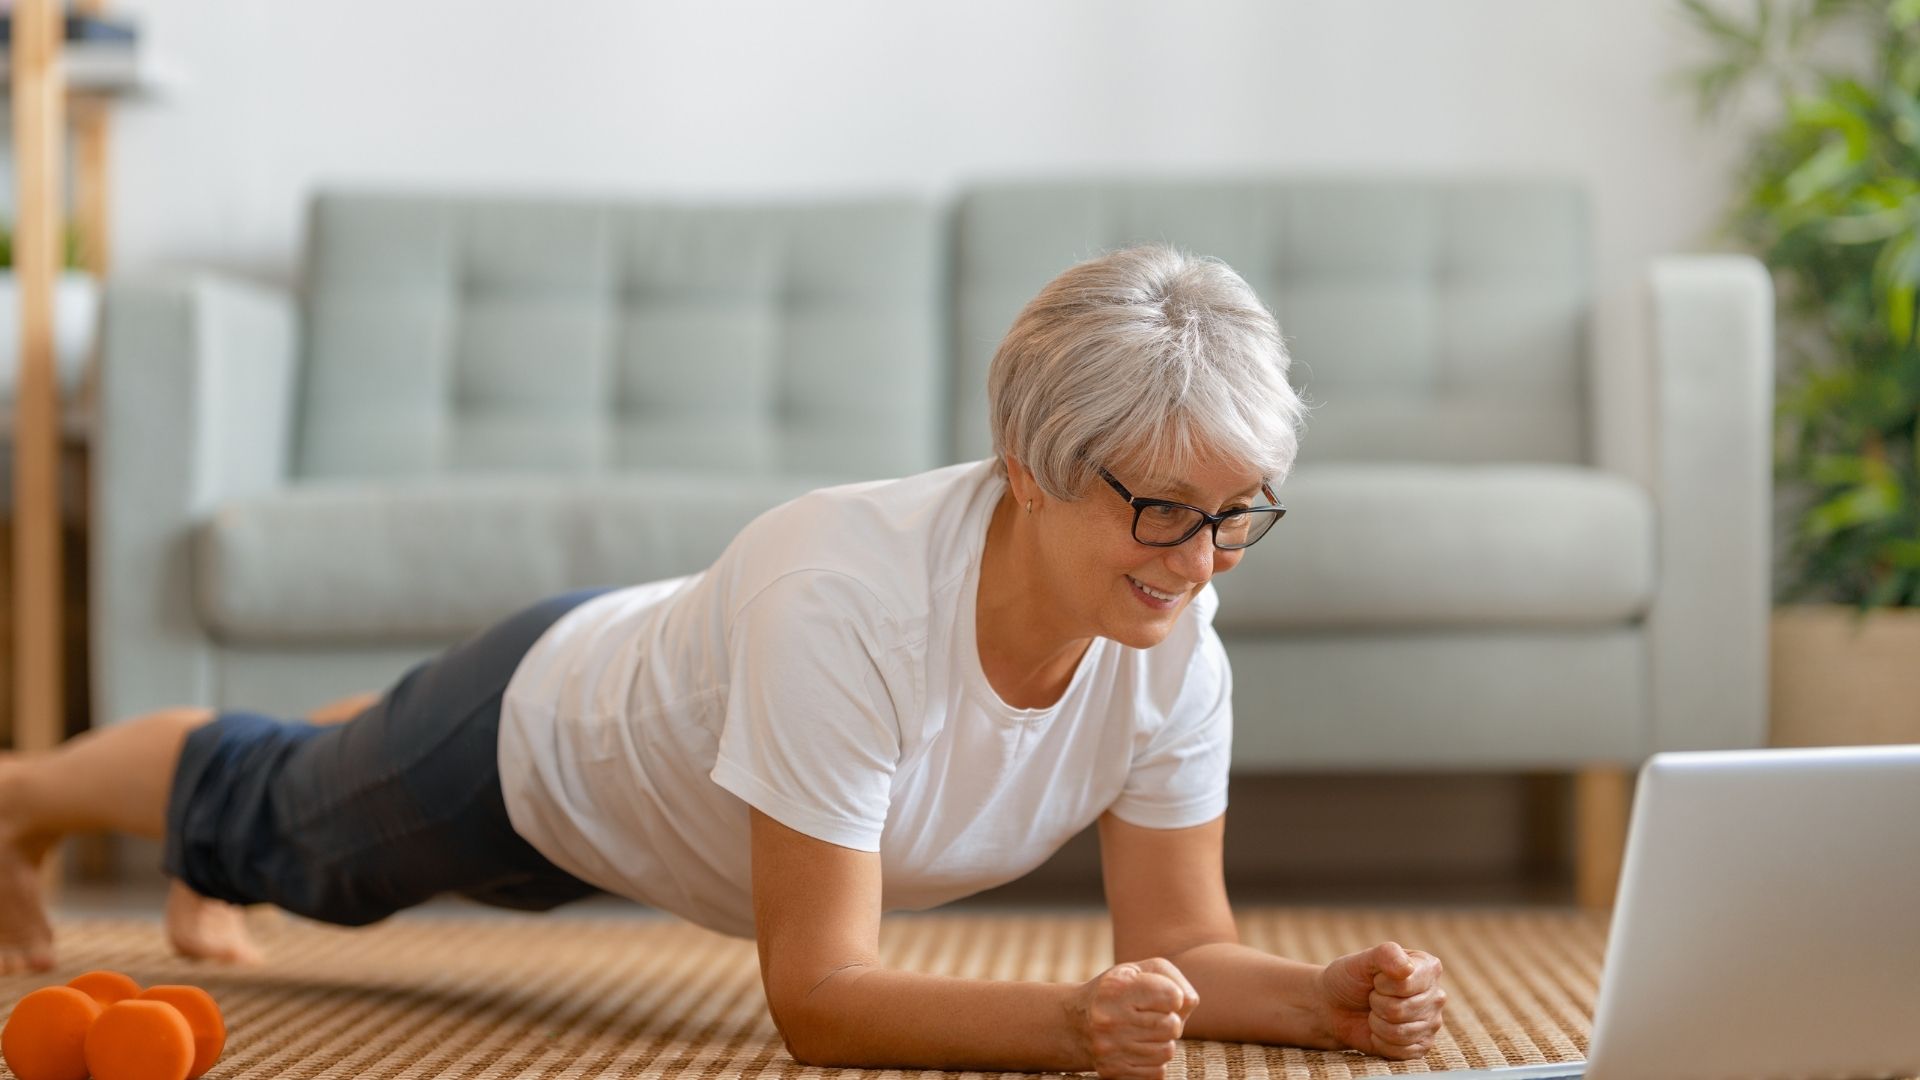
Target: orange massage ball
{"points": [[46, 1035], [105, 987], [140, 1039], [203, 1016]]}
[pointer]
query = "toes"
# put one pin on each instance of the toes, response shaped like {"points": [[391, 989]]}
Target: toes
{"points": [[202, 928], [227, 955], [221, 948], [20, 963], [240, 952]]}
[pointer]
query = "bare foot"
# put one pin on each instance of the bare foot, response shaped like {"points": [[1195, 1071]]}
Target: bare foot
{"points": [[26, 939], [202, 928]]}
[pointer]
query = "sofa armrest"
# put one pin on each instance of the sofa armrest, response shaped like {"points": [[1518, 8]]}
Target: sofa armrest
{"points": [[1713, 362], [195, 402]]}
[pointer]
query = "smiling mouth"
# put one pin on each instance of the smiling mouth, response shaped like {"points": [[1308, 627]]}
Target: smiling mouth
{"points": [[1153, 592]]}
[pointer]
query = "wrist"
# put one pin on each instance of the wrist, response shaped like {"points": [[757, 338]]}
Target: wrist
{"points": [[1076, 1043], [1313, 1015]]}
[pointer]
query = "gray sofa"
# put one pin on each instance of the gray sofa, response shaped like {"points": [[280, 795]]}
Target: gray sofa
{"points": [[475, 402]]}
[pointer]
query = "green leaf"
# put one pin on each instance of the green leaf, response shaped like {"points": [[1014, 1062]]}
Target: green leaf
{"points": [[1819, 173], [1900, 313], [1868, 228], [1820, 392], [1902, 106], [1864, 505], [1902, 553], [1838, 469], [1896, 273], [1847, 109]]}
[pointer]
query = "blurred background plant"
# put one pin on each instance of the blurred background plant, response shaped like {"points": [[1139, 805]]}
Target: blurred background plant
{"points": [[1830, 200], [69, 243]]}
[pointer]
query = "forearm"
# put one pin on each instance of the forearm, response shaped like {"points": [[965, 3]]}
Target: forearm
{"points": [[881, 1017], [1251, 996]]}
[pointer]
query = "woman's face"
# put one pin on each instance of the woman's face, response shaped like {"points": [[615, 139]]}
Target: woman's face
{"points": [[1113, 585]]}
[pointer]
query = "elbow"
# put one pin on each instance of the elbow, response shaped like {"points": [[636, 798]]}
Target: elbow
{"points": [[794, 1035], [813, 1021], [808, 1041], [803, 1054]]}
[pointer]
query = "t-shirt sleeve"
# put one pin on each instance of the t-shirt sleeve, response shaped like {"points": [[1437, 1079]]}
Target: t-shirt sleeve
{"points": [[1178, 777], [811, 733]]}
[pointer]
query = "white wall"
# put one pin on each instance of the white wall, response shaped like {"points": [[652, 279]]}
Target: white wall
{"points": [[741, 98]]}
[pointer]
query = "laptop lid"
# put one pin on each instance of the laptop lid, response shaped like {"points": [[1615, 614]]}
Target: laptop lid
{"points": [[1768, 919]]}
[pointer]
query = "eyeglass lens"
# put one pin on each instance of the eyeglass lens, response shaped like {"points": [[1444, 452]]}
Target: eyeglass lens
{"points": [[1158, 524]]}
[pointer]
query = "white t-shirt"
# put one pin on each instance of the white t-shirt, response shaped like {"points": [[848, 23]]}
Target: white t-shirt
{"points": [[824, 670]]}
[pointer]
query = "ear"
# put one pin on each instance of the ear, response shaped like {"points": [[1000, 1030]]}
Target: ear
{"points": [[1020, 480]]}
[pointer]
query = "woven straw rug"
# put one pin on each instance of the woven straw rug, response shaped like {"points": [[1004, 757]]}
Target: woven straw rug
{"points": [[566, 997]]}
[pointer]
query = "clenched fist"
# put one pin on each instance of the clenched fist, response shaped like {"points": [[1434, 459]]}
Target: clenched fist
{"points": [[1385, 1001], [1130, 1016]]}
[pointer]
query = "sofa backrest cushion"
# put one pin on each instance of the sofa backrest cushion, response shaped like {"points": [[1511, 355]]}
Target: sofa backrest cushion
{"points": [[1430, 320], [472, 334]]}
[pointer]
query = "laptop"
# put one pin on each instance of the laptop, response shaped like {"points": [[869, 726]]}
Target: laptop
{"points": [[1767, 923]]}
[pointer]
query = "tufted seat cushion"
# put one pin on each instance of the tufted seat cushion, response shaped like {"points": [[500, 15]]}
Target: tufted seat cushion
{"points": [[435, 559], [1406, 546], [1363, 547]]}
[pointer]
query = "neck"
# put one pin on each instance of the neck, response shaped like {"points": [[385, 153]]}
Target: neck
{"points": [[1026, 650]]}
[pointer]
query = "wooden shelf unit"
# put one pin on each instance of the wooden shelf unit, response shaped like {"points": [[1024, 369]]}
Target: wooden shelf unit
{"points": [[49, 435]]}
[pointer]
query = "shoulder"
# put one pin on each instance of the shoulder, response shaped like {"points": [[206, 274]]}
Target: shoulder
{"points": [[882, 542], [815, 602]]}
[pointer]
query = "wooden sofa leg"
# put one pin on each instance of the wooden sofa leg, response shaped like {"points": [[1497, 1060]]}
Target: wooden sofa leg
{"points": [[1601, 805]]}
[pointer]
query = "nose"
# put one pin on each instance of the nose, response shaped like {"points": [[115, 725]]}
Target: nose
{"points": [[1197, 560]]}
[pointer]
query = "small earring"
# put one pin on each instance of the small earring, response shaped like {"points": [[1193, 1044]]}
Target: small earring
{"points": [[1029, 506]]}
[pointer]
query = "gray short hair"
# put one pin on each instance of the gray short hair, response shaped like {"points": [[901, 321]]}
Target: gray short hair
{"points": [[1145, 358]]}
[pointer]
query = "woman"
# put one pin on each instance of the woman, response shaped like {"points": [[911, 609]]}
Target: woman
{"points": [[883, 695]]}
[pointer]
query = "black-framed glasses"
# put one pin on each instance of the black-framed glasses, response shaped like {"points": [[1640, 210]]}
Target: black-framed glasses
{"points": [[1164, 523]]}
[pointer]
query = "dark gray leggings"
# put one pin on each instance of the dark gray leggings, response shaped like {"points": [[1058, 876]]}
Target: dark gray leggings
{"points": [[349, 823]]}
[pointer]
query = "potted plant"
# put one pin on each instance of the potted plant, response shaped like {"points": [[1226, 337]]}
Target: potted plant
{"points": [[76, 303], [1830, 200]]}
